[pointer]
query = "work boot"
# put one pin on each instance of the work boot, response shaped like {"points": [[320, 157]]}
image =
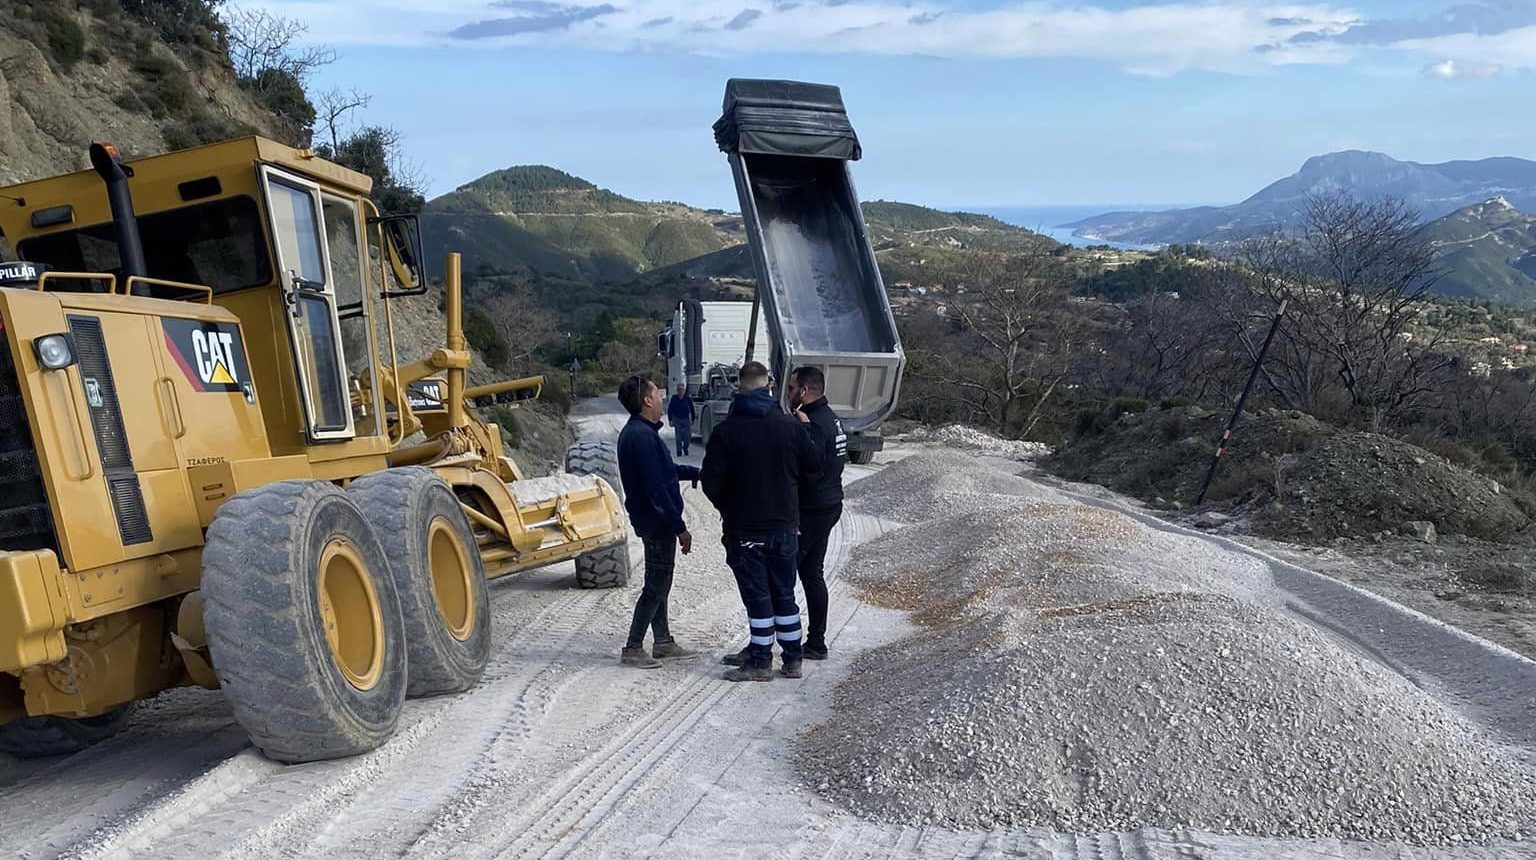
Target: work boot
{"points": [[637, 658], [671, 651], [815, 650], [750, 673], [791, 668], [737, 659]]}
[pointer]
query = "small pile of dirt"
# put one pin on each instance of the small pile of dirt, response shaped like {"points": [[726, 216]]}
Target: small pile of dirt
{"points": [[943, 484], [961, 437], [1082, 672], [1359, 483], [1292, 476]]}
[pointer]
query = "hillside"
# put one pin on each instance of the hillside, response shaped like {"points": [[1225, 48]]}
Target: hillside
{"points": [[544, 221], [1433, 189], [151, 81], [1488, 252], [540, 219]]}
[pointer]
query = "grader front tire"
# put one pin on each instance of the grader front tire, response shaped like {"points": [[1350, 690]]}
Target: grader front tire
{"points": [[438, 574], [604, 568], [40, 737], [596, 458], [303, 622]]}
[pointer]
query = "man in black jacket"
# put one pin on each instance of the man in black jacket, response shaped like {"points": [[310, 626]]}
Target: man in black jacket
{"points": [[754, 463], [821, 500], [655, 506]]}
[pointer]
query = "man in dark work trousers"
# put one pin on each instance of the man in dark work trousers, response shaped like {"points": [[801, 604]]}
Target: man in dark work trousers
{"points": [[655, 506], [821, 500], [754, 464]]}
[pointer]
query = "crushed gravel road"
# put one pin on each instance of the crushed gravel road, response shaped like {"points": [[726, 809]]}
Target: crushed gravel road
{"points": [[1064, 645]]}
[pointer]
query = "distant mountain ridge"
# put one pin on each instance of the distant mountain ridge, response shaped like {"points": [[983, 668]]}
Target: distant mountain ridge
{"points": [[539, 219], [545, 220], [1487, 252], [1434, 189]]}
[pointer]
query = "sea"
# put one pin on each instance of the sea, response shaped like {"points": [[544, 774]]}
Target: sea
{"points": [[1050, 220]]}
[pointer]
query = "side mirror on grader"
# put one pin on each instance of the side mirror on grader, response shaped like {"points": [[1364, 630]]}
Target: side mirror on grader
{"points": [[220, 470]]}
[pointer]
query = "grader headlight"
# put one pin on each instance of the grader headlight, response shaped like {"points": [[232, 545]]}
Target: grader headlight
{"points": [[54, 351]]}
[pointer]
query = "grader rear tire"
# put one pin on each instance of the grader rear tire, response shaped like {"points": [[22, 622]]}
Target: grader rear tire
{"points": [[40, 737], [861, 458], [604, 568], [436, 565], [303, 622]]}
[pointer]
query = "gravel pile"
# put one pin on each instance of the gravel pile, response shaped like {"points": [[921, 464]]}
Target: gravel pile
{"points": [[970, 439], [532, 491], [1084, 673], [942, 484]]}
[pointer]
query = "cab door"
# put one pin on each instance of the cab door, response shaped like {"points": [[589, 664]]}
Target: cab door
{"points": [[309, 292]]}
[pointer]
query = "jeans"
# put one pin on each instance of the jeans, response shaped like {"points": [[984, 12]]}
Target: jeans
{"points": [[765, 575], [684, 434], [815, 529], [651, 608]]}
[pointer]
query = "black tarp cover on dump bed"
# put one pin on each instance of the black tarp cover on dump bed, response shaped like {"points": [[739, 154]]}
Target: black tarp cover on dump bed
{"points": [[786, 118]]}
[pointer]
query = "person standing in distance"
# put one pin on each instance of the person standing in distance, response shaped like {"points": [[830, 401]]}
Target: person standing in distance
{"points": [[655, 506], [821, 500], [680, 413], [754, 463]]}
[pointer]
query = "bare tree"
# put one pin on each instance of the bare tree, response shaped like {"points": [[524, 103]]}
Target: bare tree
{"points": [[332, 108], [1356, 274], [520, 321], [261, 41], [1013, 308]]}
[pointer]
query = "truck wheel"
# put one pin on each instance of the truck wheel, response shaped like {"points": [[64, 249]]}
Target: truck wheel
{"points": [[590, 457], [303, 621], [37, 737], [605, 568], [444, 603], [861, 458]]}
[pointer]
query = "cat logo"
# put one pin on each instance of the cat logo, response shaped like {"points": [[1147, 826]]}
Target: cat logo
{"points": [[213, 350], [209, 354]]}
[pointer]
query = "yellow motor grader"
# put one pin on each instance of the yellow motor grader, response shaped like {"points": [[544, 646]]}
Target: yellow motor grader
{"points": [[217, 470]]}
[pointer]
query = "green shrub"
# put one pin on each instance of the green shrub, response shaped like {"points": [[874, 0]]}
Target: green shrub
{"points": [[1090, 422], [481, 334], [66, 40], [1175, 402], [203, 127], [511, 431], [1122, 405]]}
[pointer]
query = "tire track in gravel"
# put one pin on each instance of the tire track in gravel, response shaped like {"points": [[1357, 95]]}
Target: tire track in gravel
{"points": [[198, 824], [559, 820]]}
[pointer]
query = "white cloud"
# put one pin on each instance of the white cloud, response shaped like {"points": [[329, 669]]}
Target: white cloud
{"points": [[1162, 39], [1450, 70], [1511, 49]]}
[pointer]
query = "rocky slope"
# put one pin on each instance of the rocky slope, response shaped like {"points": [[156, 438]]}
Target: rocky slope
{"points": [[71, 73]]}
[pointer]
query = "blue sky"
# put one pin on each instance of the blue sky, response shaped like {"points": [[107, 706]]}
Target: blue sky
{"points": [[975, 103]]}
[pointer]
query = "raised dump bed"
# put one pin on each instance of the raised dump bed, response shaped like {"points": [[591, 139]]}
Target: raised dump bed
{"points": [[789, 144]]}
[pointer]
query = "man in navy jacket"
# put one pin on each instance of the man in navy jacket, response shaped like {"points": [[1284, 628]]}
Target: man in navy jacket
{"points": [[680, 413], [655, 506]]}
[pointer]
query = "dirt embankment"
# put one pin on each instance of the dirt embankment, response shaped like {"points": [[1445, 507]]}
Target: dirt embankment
{"points": [[1291, 476]]}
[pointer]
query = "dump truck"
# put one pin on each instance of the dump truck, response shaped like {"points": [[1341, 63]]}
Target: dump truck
{"points": [[789, 145], [703, 349], [221, 471]]}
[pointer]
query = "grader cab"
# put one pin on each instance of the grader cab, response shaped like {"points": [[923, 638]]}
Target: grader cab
{"points": [[219, 470]]}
